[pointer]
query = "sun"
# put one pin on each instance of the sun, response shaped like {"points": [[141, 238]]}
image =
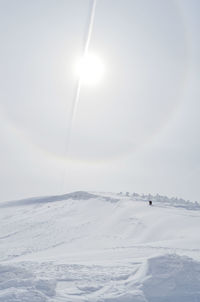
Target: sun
{"points": [[90, 69]]}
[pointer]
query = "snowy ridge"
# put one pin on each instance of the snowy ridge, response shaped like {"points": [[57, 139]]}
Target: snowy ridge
{"points": [[99, 247], [112, 197], [78, 195]]}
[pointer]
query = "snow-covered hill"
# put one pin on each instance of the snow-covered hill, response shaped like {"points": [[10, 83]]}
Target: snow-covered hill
{"points": [[99, 247]]}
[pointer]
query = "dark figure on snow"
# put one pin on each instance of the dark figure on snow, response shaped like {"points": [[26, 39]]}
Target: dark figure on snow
{"points": [[150, 202]]}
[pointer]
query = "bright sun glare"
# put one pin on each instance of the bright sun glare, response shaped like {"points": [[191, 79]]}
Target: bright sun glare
{"points": [[90, 69]]}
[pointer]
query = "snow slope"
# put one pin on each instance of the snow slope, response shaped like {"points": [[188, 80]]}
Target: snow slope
{"points": [[99, 247]]}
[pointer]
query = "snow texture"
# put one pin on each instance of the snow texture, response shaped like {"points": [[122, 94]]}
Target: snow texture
{"points": [[19, 285]]}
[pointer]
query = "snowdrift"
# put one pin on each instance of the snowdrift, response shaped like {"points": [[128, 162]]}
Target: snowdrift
{"points": [[86, 246], [172, 278]]}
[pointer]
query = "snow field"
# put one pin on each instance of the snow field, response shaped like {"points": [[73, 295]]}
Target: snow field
{"points": [[98, 247]]}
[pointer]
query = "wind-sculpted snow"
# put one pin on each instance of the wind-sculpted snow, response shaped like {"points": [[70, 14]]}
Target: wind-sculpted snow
{"points": [[160, 279], [172, 278], [98, 247]]}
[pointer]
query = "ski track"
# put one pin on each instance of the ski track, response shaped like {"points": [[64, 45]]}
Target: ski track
{"points": [[98, 247]]}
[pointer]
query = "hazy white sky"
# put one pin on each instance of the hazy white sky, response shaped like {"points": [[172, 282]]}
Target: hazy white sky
{"points": [[137, 130]]}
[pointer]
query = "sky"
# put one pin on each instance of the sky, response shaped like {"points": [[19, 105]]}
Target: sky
{"points": [[137, 130]]}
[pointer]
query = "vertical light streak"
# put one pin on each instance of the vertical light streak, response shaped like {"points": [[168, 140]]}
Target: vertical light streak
{"points": [[78, 86], [86, 47]]}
